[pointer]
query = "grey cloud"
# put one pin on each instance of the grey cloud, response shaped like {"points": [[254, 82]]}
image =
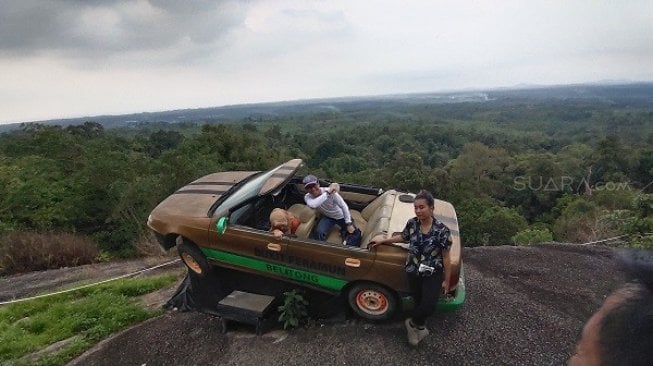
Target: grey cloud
{"points": [[103, 28], [330, 18]]}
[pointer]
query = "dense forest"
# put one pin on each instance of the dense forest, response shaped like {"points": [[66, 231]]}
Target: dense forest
{"points": [[519, 168]]}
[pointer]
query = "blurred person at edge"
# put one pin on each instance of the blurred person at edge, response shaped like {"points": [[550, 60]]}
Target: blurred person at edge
{"points": [[621, 331]]}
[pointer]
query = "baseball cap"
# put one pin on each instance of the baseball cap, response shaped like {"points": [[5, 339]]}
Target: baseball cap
{"points": [[309, 179]]}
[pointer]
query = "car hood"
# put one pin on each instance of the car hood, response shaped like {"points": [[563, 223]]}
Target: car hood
{"points": [[195, 199]]}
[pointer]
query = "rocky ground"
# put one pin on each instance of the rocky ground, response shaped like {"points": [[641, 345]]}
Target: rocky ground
{"points": [[525, 306]]}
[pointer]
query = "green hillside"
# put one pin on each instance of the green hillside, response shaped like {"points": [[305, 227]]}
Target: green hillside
{"points": [[519, 166]]}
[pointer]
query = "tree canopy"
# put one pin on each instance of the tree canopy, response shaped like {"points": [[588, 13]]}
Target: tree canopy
{"points": [[514, 172]]}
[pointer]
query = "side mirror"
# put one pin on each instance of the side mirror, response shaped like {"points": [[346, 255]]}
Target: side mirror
{"points": [[221, 225]]}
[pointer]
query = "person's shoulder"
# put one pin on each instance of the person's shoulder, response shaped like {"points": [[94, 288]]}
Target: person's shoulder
{"points": [[413, 220], [439, 224]]}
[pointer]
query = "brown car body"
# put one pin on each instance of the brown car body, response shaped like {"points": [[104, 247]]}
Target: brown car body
{"points": [[221, 219]]}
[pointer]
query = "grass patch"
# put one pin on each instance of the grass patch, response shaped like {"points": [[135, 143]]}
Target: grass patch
{"points": [[92, 314]]}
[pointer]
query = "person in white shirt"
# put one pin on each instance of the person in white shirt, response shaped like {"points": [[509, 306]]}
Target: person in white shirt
{"points": [[333, 209]]}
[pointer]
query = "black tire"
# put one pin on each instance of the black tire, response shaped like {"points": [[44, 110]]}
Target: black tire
{"points": [[372, 301], [194, 259]]}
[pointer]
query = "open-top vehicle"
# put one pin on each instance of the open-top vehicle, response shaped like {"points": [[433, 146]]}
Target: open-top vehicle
{"points": [[222, 219]]}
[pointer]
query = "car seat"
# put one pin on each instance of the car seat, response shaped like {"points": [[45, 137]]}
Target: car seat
{"points": [[307, 216]]}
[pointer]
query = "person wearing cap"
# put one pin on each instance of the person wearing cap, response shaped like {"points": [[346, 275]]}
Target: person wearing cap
{"points": [[330, 205]]}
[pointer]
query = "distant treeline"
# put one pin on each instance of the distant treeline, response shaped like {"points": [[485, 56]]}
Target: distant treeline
{"points": [[578, 102], [517, 173]]}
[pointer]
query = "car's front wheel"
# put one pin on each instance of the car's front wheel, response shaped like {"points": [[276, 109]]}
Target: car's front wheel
{"points": [[194, 259], [372, 301]]}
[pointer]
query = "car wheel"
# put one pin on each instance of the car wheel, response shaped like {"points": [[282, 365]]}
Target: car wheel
{"points": [[372, 301], [194, 259]]}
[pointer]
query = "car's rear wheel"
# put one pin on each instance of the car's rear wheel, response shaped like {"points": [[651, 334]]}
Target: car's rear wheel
{"points": [[194, 259], [372, 301]]}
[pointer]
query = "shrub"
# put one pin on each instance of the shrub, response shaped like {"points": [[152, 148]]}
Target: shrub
{"points": [[641, 241], [293, 312], [643, 204], [615, 223], [148, 246], [494, 225], [30, 251], [117, 241], [642, 223], [469, 211], [615, 200], [501, 224], [606, 214], [578, 221], [532, 236]]}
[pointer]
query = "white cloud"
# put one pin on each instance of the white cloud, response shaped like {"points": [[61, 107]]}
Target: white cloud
{"points": [[71, 58]]}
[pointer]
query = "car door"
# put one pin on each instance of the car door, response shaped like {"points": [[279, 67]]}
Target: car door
{"points": [[242, 243], [325, 265], [247, 249]]}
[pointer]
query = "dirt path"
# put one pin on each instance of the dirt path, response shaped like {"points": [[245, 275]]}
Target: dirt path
{"points": [[34, 283], [525, 306]]}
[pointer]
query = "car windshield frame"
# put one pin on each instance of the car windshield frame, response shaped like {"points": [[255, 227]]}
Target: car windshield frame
{"points": [[246, 191]]}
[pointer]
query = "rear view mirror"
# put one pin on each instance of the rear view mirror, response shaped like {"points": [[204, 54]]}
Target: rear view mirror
{"points": [[221, 225]]}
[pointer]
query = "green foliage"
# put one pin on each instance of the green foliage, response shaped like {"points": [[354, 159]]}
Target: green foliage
{"points": [[85, 180], [293, 313], [578, 221], [603, 215], [90, 314], [621, 197], [477, 171], [643, 205], [538, 182], [161, 141], [527, 156], [499, 224], [532, 236], [640, 225], [469, 212], [641, 222], [641, 241], [611, 159], [37, 194], [484, 222]]}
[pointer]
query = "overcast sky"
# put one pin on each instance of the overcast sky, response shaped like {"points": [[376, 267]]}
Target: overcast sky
{"points": [[73, 58]]}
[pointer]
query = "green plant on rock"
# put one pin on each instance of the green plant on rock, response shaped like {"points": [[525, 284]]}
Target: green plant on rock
{"points": [[293, 312]]}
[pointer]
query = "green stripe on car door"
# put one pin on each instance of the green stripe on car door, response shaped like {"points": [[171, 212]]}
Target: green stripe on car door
{"points": [[312, 278]]}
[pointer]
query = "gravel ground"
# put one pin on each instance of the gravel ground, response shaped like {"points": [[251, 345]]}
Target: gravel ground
{"points": [[525, 306]]}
